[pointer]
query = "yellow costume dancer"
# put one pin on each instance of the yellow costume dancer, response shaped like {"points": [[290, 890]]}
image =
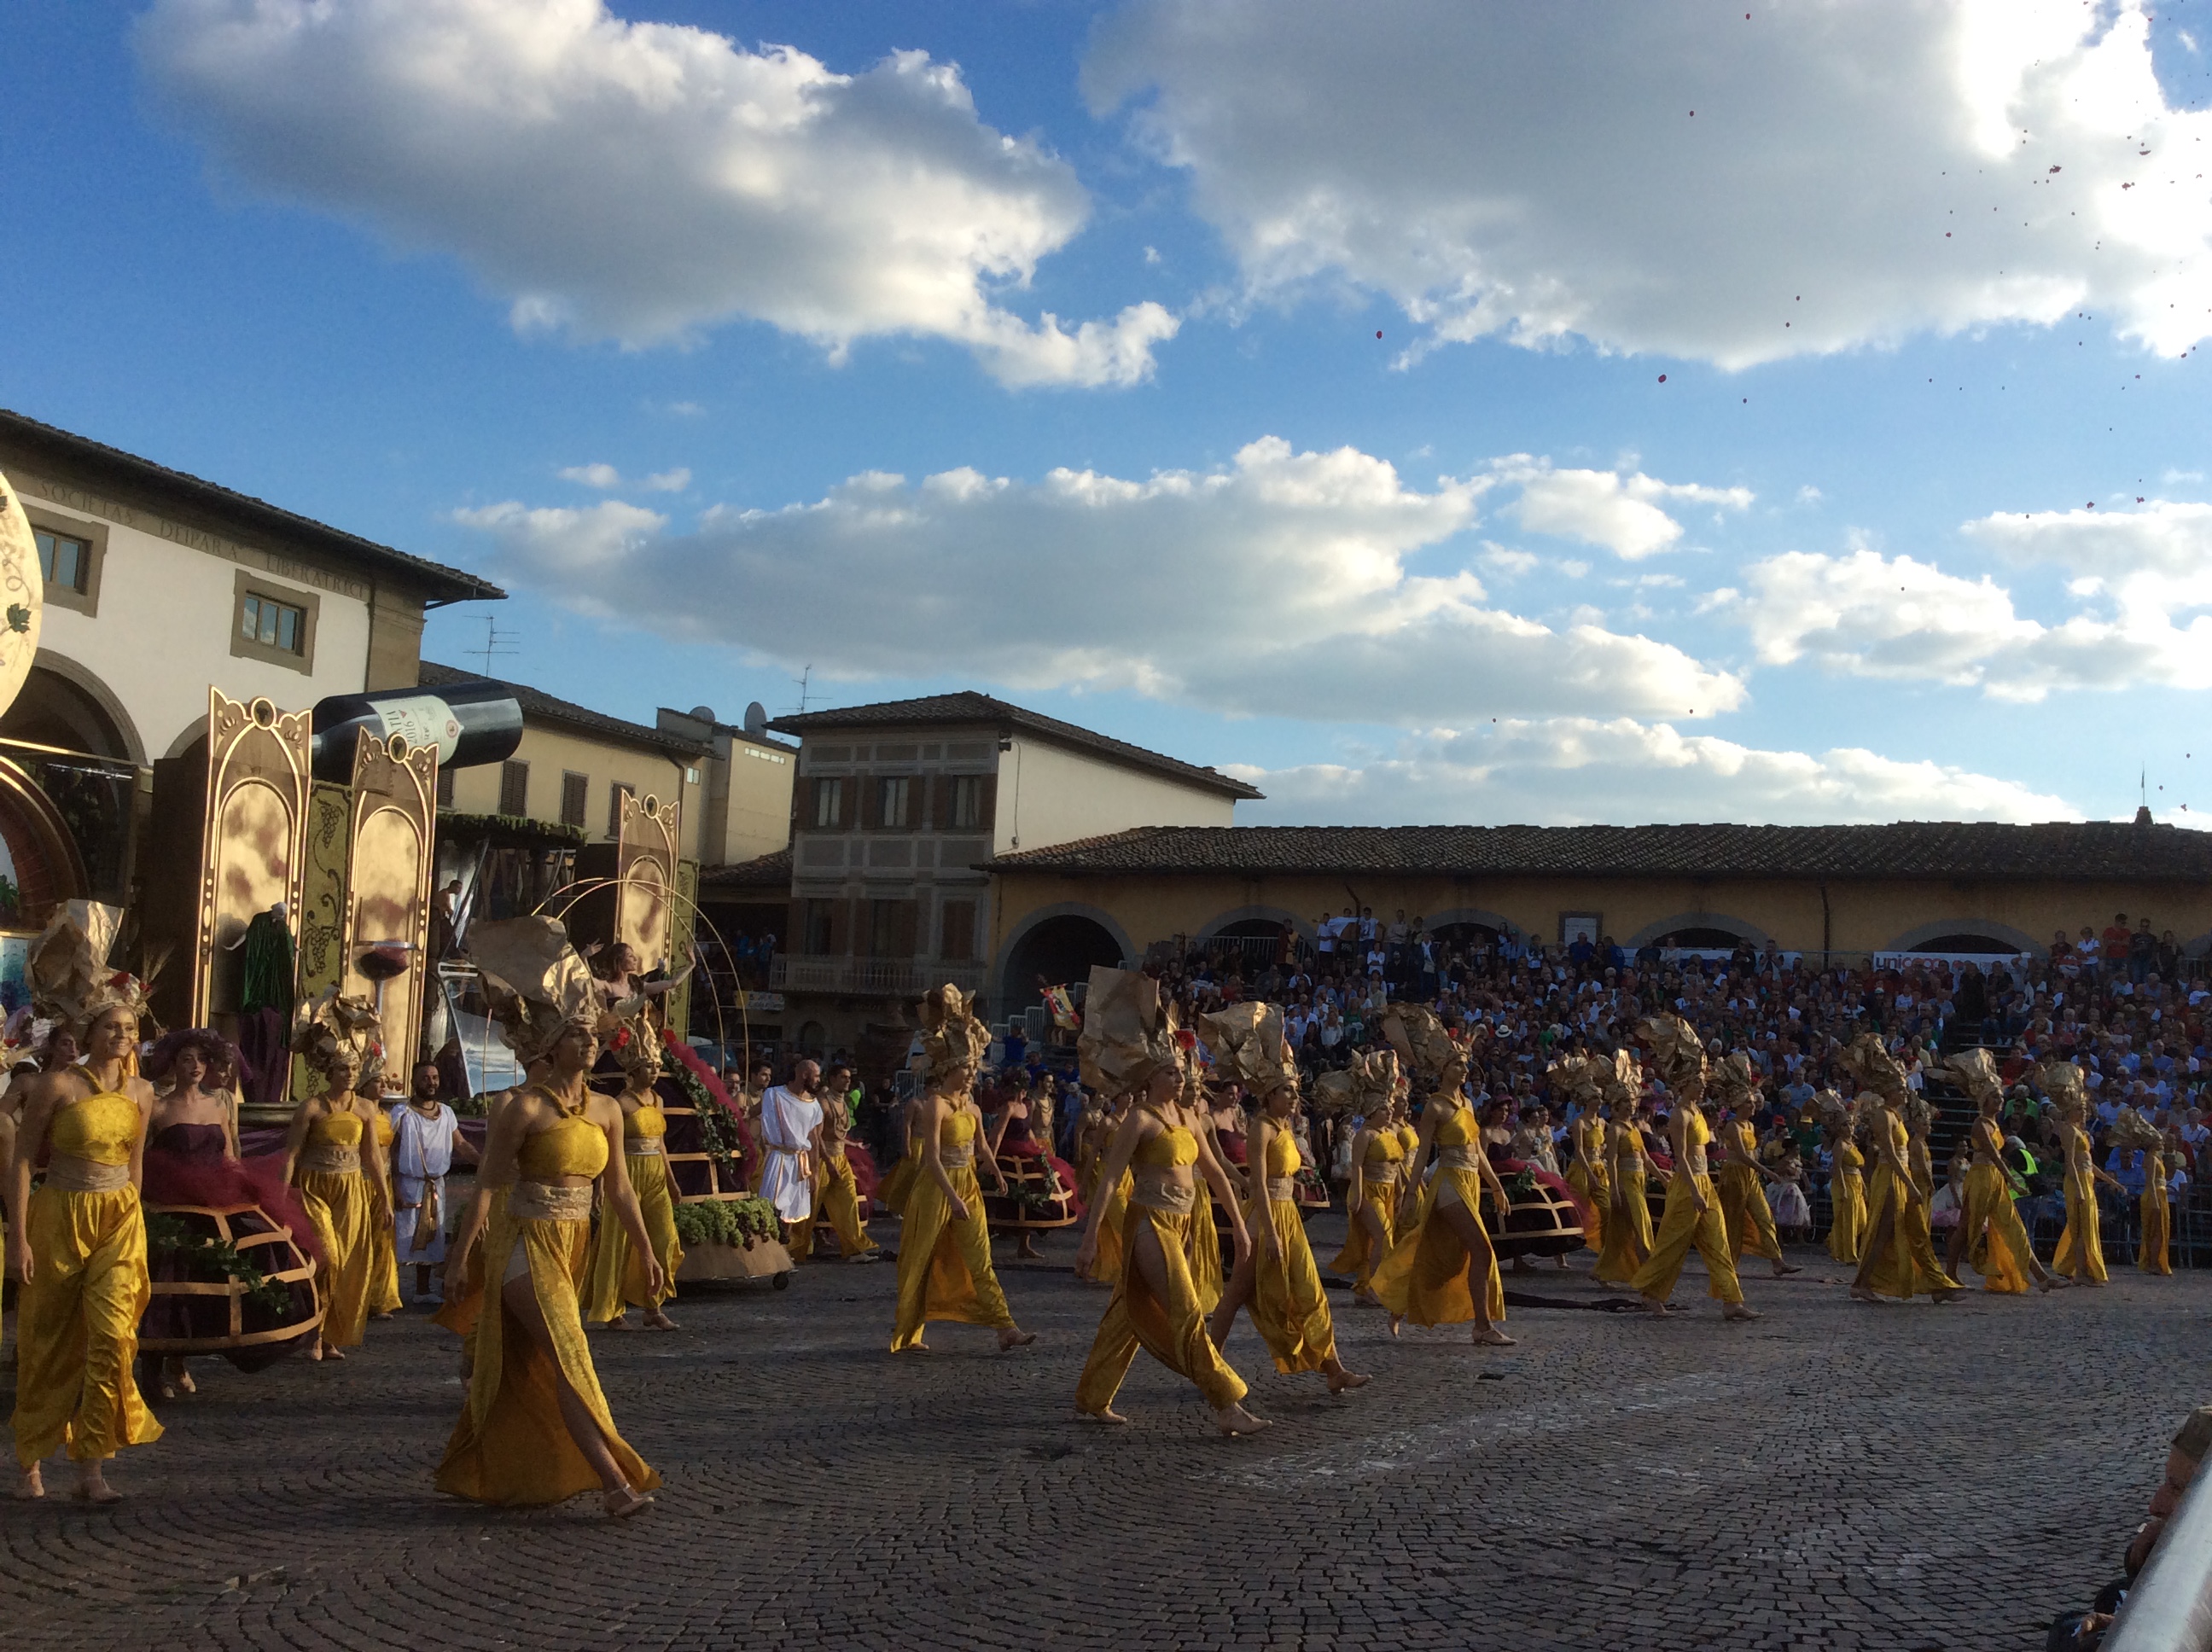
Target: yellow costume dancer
{"points": [[2081, 1253], [335, 1163], [2132, 1132], [1847, 1199], [1908, 1266], [1628, 1220], [1106, 1268], [1990, 1236], [1589, 1175], [384, 1255], [78, 1244], [1442, 1257], [1692, 1215], [945, 1270], [615, 1279], [837, 1195], [1744, 1212], [1129, 1045], [1279, 1281], [535, 1427], [1378, 1161]]}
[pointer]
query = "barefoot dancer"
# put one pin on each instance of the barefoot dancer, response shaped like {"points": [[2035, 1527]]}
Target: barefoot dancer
{"points": [[1900, 1256], [945, 1270], [1443, 1269], [77, 1246], [1744, 1209], [1628, 1234], [2081, 1253], [333, 1157], [1378, 1162], [1277, 1280], [1130, 1046], [614, 1283], [1989, 1236], [1692, 1215], [535, 1427]]}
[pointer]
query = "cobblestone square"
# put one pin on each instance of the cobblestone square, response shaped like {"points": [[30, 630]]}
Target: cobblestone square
{"points": [[1833, 1476]]}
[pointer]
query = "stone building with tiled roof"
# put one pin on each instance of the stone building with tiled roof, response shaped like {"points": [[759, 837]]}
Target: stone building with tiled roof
{"points": [[1849, 892]]}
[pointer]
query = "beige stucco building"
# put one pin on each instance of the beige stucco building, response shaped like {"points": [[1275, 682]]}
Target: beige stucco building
{"points": [[1844, 891], [157, 585], [899, 805]]}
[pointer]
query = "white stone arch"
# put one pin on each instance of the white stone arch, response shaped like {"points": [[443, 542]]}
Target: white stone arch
{"points": [[1719, 920], [2016, 940], [1433, 921], [82, 678]]}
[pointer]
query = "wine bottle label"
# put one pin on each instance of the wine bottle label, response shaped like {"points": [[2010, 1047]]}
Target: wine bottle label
{"points": [[422, 719]]}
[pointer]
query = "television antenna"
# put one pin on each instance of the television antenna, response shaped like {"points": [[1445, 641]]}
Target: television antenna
{"points": [[496, 642], [803, 679]]}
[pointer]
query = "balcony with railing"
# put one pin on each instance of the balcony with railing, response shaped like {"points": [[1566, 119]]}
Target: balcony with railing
{"points": [[798, 972]]}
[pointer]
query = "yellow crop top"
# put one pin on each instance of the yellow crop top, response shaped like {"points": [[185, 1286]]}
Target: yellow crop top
{"points": [[1170, 1147], [1458, 1130], [1382, 1146], [99, 1129], [1283, 1155], [335, 1130], [1849, 1158], [572, 1147], [1699, 1131], [385, 1131], [1409, 1139], [646, 1123], [957, 1130]]}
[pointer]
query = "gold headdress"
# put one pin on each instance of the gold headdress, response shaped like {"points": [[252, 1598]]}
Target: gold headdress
{"points": [[1677, 1050], [547, 987], [70, 978], [2061, 1082], [1868, 1060], [1579, 1079], [1363, 1086], [1977, 1074], [1129, 1035], [1732, 1081], [332, 1026], [1918, 1116], [1247, 1042], [635, 1046], [1421, 1041], [1623, 1083], [951, 1037], [2130, 1129]]}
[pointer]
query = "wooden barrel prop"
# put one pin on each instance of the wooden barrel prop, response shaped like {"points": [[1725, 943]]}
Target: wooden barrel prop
{"points": [[1539, 1222], [200, 1305]]}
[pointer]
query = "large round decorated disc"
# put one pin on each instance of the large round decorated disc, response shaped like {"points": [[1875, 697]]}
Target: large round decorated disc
{"points": [[23, 595]]}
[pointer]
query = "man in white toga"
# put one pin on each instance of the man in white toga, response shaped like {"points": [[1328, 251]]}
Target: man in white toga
{"points": [[791, 1131]]}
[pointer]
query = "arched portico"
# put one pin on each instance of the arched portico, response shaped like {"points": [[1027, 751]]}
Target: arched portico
{"points": [[65, 704], [1060, 943], [1436, 923], [1938, 936], [1718, 923], [1233, 922]]}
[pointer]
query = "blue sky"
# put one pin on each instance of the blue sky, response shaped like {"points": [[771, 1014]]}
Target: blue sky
{"points": [[1925, 285]]}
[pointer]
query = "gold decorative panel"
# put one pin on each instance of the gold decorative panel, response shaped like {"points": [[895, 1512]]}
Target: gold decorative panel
{"points": [[253, 838], [323, 888], [23, 595], [395, 811], [645, 862]]}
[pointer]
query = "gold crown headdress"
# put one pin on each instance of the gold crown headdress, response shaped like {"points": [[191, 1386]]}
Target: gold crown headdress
{"points": [[547, 987], [333, 1026], [1128, 1034], [2130, 1129], [951, 1036], [2061, 1082], [1422, 1042], [1579, 1079], [1677, 1051], [1247, 1043], [1732, 1082], [1623, 1083], [1868, 1060], [635, 1045], [70, 981], [1976, 1075]]}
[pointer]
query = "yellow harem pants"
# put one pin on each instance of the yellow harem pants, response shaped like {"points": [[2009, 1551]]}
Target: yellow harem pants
{"points": [[837, 1196], [77, 1326], [2157, 1229], [614, 1279], [1997, 1242], [1746, 1213], [1288, 1305], [2080, 1245], [945, 1270], [1682, 1226], [1170, 1327]]}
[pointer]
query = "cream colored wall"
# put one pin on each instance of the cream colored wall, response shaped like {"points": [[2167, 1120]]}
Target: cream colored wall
{"points": [[1863, 917], [759, 821], [551, 751], [1049, 794], [162, 633]]}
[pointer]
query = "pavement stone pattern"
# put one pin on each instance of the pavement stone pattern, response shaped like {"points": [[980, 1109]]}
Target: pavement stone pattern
{"points": [[1833, 1476]]}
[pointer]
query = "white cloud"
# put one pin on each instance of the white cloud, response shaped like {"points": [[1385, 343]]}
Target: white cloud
{"points": [[606, 478], [641, 181], [1572, 771], [1604, 507], [1692, 182], [1870, 616], [1275, 585]]}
